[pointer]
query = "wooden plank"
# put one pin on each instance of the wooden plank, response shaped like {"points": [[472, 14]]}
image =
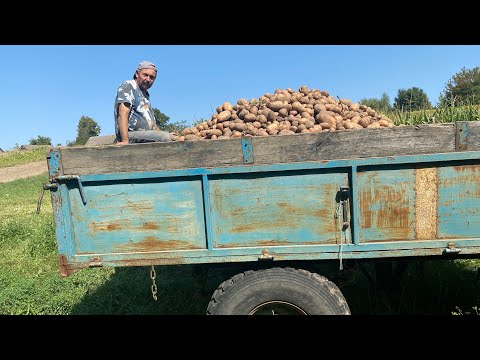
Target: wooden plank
{"points": [[100, 140], [467, 135], [401, 140]]}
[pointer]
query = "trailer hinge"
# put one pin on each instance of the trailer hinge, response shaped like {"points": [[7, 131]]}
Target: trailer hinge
{"points": [[451, 249], [247, 149]]}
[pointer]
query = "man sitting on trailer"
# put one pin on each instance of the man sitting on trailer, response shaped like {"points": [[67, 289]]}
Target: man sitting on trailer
{"points": [[134, 117]]}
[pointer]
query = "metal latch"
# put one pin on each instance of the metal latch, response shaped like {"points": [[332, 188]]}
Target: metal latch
{"points": [[54, 185], [45, 187], [344, 196], [247, 149], [451, 249]]}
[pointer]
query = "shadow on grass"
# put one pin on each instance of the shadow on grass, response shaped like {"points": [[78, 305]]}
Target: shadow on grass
{"points": [[431, 287], [181, 290]]}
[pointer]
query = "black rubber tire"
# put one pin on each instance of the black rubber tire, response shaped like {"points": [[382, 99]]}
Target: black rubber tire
{"points": [[309, 293]]}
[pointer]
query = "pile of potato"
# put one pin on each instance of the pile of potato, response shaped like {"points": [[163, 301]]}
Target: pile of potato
{"points": [[285, 112]]}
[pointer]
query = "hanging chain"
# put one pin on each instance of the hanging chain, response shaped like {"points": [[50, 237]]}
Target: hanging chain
{"points": [[153, 276]]}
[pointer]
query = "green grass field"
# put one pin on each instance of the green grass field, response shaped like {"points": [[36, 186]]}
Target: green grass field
{"points": [[18, 157]]}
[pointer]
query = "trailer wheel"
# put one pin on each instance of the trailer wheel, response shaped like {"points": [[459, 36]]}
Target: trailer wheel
{"points": [[278, 291]]}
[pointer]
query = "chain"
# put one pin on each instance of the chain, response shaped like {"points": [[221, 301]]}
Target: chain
{"points": [[153, 276]]}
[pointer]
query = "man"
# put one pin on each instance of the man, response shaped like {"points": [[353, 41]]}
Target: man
{"points": [[134, 117]]}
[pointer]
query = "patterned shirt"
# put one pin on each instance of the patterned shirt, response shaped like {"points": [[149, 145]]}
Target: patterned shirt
{"points": [[141, 115]]}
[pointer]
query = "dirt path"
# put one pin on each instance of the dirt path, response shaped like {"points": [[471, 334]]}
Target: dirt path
{"points": [[22, 171]]}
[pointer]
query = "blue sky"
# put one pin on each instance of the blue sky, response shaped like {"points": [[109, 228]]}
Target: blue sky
{"points": [[48, 88]]}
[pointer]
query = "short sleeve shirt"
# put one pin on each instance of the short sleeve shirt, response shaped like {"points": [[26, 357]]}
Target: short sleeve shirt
{"points": [[141, 115]]}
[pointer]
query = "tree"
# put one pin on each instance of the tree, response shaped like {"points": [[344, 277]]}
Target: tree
{"points": [[161, 119], [382, 105], [87, 127], [163, 122], [41, 140], [412, 99], [463, 87]]}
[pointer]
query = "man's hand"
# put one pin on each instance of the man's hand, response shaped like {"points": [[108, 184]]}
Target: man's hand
{"points": [[122, 143]]}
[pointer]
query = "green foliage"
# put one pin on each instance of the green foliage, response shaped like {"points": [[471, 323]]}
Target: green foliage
{"points": [[411, 99], [87, 127], [463, 87], [18, 157], [176, 126], [439, 114], [382, 105], [41, 140], [161, 119], [163, 122]]}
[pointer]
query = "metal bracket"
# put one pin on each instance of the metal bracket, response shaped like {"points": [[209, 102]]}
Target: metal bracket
{"points": [[462, 136], [247, 149], [265, 255], [55, 167], [80, 187], [345, 194], [451, 249]]}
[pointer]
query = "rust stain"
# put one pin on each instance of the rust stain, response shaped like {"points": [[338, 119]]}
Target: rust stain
{"points": [[147, 262], [385, 208], [390, 216], [270, 243], [426, 203], [150, 226], [255, 226], [56, 201], [238, 211], [139, 206], [106, 226], [152, 243], [173, 229], [467, 179], [66, 268], [326, 214], [365, 200], [465, 168]]}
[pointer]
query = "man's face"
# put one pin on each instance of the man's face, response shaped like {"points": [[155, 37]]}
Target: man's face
{"points": [[146, 78]]}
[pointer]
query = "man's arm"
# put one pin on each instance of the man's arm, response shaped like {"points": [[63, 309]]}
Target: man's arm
{"points": [[123, 112]]}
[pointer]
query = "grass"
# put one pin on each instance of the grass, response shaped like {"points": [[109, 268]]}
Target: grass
{"points": [[441, 114], [17, 157]]}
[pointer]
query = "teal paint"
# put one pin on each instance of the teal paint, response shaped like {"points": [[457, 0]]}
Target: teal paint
{"points": [[230, 214], [459, 202]]}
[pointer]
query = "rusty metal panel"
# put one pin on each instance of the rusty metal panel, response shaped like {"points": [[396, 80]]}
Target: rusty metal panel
{"points": [[459, 201], [279, 208], [467, 135], [386, 198], [138, 216]]}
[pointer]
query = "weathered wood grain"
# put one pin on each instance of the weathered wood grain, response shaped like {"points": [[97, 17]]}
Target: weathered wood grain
{"points": [[401, 140], [100, 140]]}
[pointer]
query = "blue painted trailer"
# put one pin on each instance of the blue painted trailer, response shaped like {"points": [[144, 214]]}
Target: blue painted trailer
{"points": [[411, 200]]}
